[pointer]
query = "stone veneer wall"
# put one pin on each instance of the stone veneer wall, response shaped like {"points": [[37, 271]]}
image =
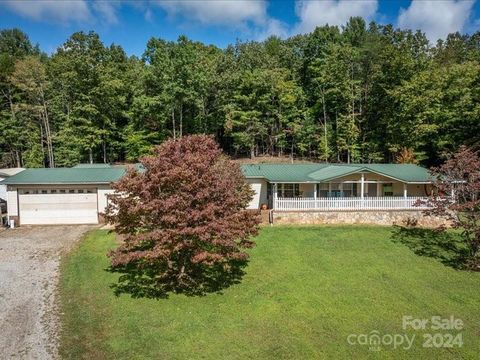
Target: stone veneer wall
{"points": [[374, 217]]}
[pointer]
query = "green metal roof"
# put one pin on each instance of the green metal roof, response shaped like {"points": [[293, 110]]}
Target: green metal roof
{"points": [[136, 166], [92, 166], [325, 172], [66, 176], [333, 171], [272, 172], [281, 172], [402, 172]]}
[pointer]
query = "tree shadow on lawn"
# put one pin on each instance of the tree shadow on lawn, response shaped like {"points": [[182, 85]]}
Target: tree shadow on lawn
{"points": [[144, 283], [445, 246]]}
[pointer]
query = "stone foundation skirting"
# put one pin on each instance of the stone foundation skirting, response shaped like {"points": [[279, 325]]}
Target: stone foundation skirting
{"points": [[374, 217]]}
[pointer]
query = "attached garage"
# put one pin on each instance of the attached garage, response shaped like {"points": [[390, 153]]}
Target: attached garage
{"points": [[58, 206], [60, 196]]}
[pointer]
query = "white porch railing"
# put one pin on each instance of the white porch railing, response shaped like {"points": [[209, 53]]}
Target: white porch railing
{"points": [[349, 203]]}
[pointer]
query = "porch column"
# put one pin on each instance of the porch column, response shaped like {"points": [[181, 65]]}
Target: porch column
{"points": [[329, 189], [362, 185], [404, 190], [275, 187], [315, 191]]}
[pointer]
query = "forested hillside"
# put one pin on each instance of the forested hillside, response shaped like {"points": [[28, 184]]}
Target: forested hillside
{"points": [[361, 93]]}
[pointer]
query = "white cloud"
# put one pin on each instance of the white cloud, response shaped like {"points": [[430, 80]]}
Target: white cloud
{"points": [[436, 18], [235, 13], [107, 10], [50, 10], [248, 15], [331, 12], [66, 11], [148, 15], [273, 27]]}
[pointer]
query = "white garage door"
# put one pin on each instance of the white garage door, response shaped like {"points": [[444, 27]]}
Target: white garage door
{"points": [[49, 207]]}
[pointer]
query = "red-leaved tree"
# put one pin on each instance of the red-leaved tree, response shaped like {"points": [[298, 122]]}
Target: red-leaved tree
{"points": [[456, 197], [182, 220]]}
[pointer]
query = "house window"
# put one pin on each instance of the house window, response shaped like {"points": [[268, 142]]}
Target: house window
{"points": [[349, 189], [288, 190], [335, 190], [62, 191], [71, 191], [44, 191], [323, 190], [80, 191], [387, 189], [53, 191]]}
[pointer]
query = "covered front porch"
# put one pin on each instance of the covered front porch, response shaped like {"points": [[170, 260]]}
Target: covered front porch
{"points": [[356, 192], [349, 203]]}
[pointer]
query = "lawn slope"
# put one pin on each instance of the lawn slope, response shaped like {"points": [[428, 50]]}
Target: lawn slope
{"points": [[305, 290]]}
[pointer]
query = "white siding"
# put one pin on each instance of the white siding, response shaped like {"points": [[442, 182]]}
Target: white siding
{"points": [[103, 198], [3, 191], [12, 202], [260, 197]]}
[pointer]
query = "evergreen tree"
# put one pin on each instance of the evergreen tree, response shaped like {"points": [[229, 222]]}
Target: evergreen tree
{"points": [[360, 93]]}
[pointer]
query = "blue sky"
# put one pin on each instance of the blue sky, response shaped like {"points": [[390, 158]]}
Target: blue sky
{"points": [[131, 23]]}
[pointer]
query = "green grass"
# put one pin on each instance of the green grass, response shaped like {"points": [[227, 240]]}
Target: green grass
{"points": [[305, 290]]}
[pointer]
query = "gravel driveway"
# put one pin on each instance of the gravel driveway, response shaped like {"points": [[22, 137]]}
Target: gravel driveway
{"points": [[29, 264]]}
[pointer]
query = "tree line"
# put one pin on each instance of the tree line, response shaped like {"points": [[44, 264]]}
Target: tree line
{"points": [[359, 93]]}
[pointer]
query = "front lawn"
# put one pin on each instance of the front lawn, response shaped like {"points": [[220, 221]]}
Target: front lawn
{"points": [[306, 289]]}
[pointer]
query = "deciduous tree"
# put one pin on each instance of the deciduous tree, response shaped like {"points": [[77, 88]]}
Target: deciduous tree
{"points": [[459, 177], [183, 219], [30, 78]]}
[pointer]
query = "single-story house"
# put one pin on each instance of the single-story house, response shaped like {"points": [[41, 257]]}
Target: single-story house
{"points": [[337, 186], [79, 195]]}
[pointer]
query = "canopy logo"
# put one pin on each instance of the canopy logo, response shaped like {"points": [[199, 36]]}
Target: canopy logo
{"points": [[445, 333], [374, 340]]}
